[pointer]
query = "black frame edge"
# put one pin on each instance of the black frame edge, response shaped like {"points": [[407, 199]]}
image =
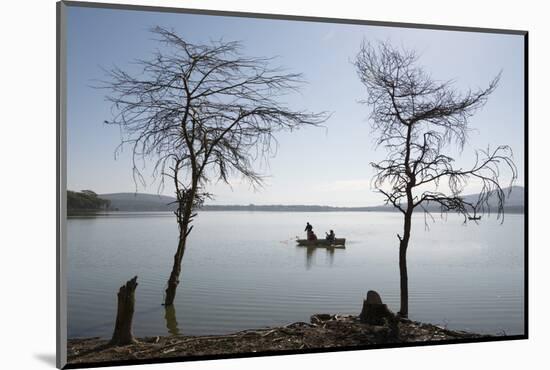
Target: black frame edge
{"points": [[61, 90], [290, 17], [526, 185]]}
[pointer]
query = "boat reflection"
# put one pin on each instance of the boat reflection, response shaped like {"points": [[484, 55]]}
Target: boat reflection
{"points": [[330, 256], [310, 254]]}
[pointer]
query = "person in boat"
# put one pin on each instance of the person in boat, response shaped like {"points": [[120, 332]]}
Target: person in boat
{"points": [[331, 237], [310, 234]]}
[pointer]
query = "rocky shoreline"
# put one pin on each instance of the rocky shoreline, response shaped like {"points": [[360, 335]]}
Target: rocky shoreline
{"points": [[323, 331]]}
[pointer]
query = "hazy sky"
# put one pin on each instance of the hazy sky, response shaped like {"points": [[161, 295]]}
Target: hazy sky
{"points": [[312, 166]]}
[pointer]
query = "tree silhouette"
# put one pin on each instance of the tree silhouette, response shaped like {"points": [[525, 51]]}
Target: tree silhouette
{"points": [[201, 113], [416, 120]]}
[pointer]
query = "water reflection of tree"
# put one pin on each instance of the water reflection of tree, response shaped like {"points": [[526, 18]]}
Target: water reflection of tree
{"points": [[171, 322]]}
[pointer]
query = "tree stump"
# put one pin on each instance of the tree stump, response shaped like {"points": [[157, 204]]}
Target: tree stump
{"points": [[375, 312], [125, 313]]}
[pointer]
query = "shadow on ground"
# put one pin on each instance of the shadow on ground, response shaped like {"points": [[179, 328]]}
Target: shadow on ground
{"points": [[47, 358]]}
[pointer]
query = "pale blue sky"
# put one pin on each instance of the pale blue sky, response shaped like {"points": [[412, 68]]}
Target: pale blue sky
{"points": [[314, 166]]}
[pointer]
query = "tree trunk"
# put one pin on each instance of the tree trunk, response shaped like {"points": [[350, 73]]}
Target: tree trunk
{"points": [[186, 199], [404, 278], [173, 281], [171, 320], [404, 241], [125, 313], [404, 281]]}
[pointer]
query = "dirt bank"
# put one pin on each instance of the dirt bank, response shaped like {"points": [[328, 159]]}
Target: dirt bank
{"points": [[324, 331]]}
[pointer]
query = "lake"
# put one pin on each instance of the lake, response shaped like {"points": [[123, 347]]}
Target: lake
{"points": [[243, 270]]}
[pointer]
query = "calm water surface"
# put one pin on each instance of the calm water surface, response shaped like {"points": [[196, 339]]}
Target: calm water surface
{"points": [[243, 270]]}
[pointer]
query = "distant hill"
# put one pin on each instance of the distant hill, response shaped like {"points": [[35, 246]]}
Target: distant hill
{"points": [[514, 199], [139, 202], [85, 201]]}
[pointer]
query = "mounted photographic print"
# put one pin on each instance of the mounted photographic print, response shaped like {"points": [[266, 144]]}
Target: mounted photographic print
{"points": [[234, 185]]}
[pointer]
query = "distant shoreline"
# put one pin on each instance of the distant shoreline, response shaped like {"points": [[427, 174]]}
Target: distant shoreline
{"points": [[132, 202], [299, 208], [280, 208], [511, 210]]}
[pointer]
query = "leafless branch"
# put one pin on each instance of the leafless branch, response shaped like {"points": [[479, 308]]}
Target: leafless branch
{"points": [[202, 113], [416, 118]]}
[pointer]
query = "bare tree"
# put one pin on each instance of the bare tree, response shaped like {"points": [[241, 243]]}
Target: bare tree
{"points": [[201, 113], [417, 120]]}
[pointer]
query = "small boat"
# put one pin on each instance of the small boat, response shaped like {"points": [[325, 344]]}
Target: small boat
{"points": [[337, 243], [474, 218]]}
